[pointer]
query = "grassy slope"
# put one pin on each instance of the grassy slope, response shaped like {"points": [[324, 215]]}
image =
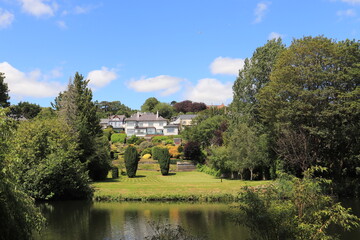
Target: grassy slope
{"points": [[152, 184]]}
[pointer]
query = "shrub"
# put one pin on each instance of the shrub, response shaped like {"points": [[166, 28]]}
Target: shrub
{"points": [[139, 141], [173, 150], [159, 139], [156, 152], [118, 138], [115, 172], [144, 145], [146, 151], [108, 132], [164, 161], [132, 139], [131, 159], [180, 149], [193, 152], [208, 170]]}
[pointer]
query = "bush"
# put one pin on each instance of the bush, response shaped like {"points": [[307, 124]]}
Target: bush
{"points": [[147, 156], [132, 139], [156, 152], [173, 150], [131, 159], [146, 151], [193, 152], [108, 132], [115, 172], [144, 145], [180, 149], [208, 170], [99, 163], [118, 138], [164, 161]]}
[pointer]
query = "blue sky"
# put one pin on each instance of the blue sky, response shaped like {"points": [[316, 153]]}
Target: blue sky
{"points": [[168, 49]]}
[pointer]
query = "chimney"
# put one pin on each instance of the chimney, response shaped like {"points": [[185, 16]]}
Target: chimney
{"points": [[157, 114], [137, 115]]}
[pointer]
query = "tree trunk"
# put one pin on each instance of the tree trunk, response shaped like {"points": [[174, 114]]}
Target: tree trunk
{"points": [[251, 174]]}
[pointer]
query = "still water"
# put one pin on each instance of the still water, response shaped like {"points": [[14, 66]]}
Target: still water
{"points": [[80, 220]]}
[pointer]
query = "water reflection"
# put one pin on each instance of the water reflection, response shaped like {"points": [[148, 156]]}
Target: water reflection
{"points": [[106, 221]]}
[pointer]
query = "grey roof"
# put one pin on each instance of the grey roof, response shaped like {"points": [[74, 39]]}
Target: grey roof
{"points": [[187, 117], [121, 117], [145, 117]]}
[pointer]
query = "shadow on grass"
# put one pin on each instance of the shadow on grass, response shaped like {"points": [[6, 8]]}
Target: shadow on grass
{"points": [[139, 176], [171, 174]]}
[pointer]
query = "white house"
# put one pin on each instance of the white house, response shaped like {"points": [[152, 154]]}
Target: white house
{"points": [[116, 121], [144, 124], [183, 120]]}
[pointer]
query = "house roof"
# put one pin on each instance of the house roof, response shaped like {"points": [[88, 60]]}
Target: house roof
{"points": [[104, 121], [187, 117], [145, 117], [116, 117]]}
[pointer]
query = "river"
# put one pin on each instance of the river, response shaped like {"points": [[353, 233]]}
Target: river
{"points": [[81, 220]]}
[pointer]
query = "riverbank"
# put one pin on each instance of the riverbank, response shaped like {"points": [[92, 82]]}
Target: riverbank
{"points": [[178, 186]]}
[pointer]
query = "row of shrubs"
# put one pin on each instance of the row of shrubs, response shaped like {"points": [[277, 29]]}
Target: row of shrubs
{"points": [[131, 158]]}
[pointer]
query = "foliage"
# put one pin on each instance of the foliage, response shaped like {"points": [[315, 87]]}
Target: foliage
{"points": [[118, 138], [247, 149], [131, 158], [107, 132], [189, 106], [45, 160], [173, 150], [208, 170], [165, 110], [293, 208], [146, 151], [25, 109], [132, 140], [164, 161], [99, 164], [314, 91], [161, 139], [19, 216], [147, 155], [46, 113], [4, 92], [192, 151], [144, 145], [149, 104], [156, 153], [75, 106], [253, 77], [219, 159], [208, 131], [105, 108]]}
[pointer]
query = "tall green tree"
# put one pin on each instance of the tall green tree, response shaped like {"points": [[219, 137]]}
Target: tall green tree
{"points": [[4, 92], [75, 106], [149, 104], [25, 109], [315, 90], [253, 77], [165, 110], [19, 216]]}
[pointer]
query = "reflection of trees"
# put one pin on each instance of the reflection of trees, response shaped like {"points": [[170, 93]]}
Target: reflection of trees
{"points": [[75, 220]]}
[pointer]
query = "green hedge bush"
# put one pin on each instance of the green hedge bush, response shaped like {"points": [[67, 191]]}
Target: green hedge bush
{"points": [[118, 138], [131, 158], [164, 161]]}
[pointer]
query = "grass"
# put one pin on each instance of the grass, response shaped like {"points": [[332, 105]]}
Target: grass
{"points": [[151, 185]]}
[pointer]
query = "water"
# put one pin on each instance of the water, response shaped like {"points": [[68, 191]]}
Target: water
{"points": [[81, 220]]}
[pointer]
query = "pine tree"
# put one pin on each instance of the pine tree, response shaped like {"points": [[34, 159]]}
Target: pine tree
{"points": [[4, 92]]}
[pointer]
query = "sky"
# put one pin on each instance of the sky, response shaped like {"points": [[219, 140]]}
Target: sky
{"points": [[131, 50]]}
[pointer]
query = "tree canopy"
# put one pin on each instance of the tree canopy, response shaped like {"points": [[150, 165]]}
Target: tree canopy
{"points": [[4, 92]]}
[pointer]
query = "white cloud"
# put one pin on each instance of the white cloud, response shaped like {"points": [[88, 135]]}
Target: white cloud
{"points": [[102, 77], [61, 24], [353, 2], [210, 91], [39, 8], [167, 85], [82, 9], [32, 84], [275, 35], [260, 11], [346, 13], [225, 65], [6, 18]]}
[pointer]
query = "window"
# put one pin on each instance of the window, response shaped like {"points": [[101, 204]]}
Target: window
{"points": [[171, 130], [130, 131], [161, 123], [151, 131], [151, 124], [130, 124], [141, 124]]}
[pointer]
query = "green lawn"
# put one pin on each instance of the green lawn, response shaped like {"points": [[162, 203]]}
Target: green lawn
{"points": [[151, 184]]}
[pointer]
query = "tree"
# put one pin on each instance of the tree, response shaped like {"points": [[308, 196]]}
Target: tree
{"points": [[164, 109], [247, 149], [131, 158], [192, 151], [106, 108], [25, 109], [189, 106], [164, 161], [45, 161], [4, 92], [75, 106], [315, 87], [253, 77], [293, 208], [19, 216], [149, 104]]}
